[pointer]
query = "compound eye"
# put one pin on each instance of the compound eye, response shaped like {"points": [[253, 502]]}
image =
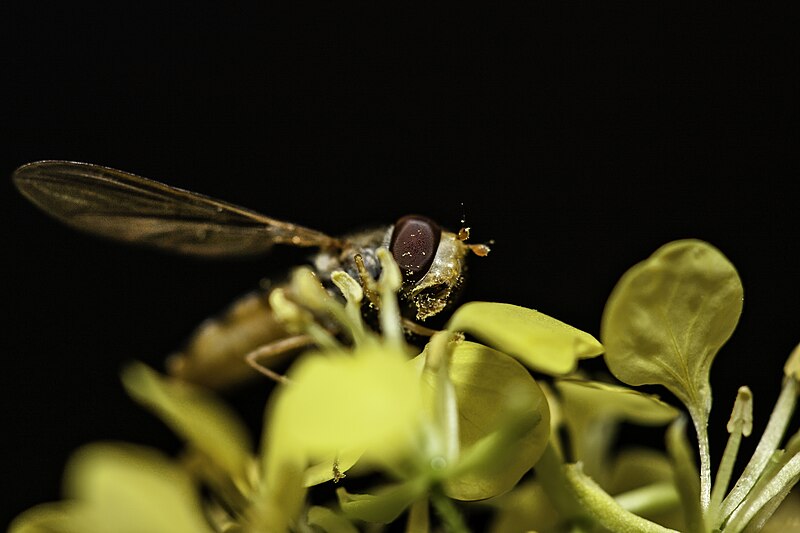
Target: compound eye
{"points": [[415, 240]]}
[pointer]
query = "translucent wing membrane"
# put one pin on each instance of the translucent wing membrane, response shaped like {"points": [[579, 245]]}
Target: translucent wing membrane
{"points": [[126, 207]]}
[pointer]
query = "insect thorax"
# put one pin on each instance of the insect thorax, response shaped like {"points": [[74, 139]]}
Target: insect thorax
{"points": [[363, 243], [422, 298]]}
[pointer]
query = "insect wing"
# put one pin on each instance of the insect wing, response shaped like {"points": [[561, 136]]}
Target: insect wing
{"points": [[126, 207]]}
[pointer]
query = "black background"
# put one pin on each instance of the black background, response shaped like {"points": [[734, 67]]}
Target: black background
{"points": [[580, 139]]}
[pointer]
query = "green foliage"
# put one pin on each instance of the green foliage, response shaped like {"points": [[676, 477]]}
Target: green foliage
{"points": [[459, 424], [667, 318]]}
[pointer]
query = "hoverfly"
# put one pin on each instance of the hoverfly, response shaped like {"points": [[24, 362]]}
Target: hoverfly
{"points": [[129, 208]]}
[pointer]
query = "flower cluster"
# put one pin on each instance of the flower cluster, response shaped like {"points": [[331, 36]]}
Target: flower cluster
{"points": [[504, 422]]}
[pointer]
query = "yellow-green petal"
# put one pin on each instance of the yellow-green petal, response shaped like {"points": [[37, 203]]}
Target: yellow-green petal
{"points": [[637, 467], [206, 423], [128, 488], [595, 399], [386, 504], [324, 470], [539, 341], [592, 412], [329, 521], [55, 517], [368, 400], [526, 508], [640, 467], [494, 393]]}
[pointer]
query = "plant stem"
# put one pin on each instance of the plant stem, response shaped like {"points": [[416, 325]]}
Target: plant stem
{"points": [[740, 425], [418, 520], [745, 512], [766, 447], [725, 470], [686, 477], [700, 421], [389, 314], [756, 523], [550, 473], [603, 509], [451, 518], [445, 408]]}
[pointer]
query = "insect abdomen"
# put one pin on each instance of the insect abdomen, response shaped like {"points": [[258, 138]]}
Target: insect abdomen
{"points": [[215, 354]]}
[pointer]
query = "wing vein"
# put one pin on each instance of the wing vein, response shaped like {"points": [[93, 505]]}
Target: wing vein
{"points": [[127, 207]]}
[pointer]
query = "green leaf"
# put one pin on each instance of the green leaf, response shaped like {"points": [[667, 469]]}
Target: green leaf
{"points": [[664, 323], [128, 488], [386, 504], [667, 318], [542, 343], [503, 413]]}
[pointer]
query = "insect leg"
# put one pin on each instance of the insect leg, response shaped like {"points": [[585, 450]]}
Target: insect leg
{"points": [[258, 357], [417, 329], [214, 355], [367, 282]]}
